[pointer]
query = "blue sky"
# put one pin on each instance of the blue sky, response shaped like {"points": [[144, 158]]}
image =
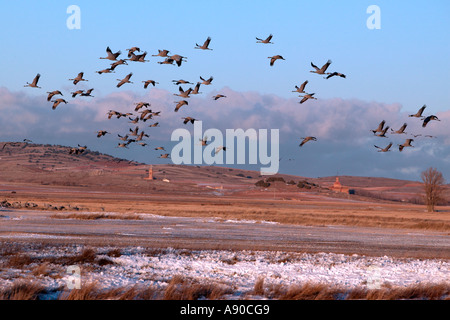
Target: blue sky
{"points": [[402, 62], [405, 63]]}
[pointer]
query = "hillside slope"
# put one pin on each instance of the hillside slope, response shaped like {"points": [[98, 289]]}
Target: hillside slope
{"points": [[33, 165]]}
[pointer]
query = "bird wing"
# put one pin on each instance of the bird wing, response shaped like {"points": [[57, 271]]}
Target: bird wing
{"points": [[36, 79], [302, 87], [314, 66], [303, 142], [325, 66], [384, 130], [380, 126], [421, 110]]}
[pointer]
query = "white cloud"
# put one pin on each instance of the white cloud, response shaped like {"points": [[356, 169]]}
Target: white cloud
{"points": [[345, 143]]}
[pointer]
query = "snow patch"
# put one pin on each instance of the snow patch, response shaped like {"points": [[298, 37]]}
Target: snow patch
{"points": [[241, 269]]}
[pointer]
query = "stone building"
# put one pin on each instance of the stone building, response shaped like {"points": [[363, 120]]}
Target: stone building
{"points": [[338, 187]]}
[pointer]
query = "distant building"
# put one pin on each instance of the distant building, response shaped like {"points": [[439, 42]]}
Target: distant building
{"points": [[338, 187], [150, 174]]}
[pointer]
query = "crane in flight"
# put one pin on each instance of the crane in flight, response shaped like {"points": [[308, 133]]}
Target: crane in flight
{"points": [[78, 78], [301, 89], [267, 40], [33, 84], [401, 130], [275, 58], [306, 139], [385, 149], [428, 119], [307, 96], [407, 143], [124, 80], [418, 114], [321, 70], [110, 55], [205, 45]]}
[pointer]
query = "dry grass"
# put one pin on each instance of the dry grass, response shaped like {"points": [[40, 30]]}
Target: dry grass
{"points": [[295, 210], [96, 216], [428, 292], [180, 288], [92, 291], [43, 269], [19, 261], [258, 290], [89, 291], [22, 290], [307, 291], [290, 212], [313, 291], [87, 256], [115, 253]]}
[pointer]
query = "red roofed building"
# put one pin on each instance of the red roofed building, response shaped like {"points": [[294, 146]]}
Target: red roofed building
{"points": [[338, 187]]}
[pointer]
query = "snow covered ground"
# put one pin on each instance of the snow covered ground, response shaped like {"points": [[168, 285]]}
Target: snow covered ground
{"points": [[238, 270], [25, 257]]}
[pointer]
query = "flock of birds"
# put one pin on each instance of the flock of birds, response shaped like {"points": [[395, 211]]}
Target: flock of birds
{"points": [[381, 130], [144, 112]]}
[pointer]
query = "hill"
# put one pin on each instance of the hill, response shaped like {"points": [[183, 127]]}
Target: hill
{"points": [[31, 166], [53, 165]]}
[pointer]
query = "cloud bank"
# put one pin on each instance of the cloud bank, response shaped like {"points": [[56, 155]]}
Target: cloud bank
{"points": [[344, 146]]}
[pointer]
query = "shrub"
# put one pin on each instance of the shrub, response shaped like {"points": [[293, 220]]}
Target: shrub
{"points": [[304, 184], [262, 183]]}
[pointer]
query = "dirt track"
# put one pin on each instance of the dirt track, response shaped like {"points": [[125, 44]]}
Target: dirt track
{"points": [[209, 233]]}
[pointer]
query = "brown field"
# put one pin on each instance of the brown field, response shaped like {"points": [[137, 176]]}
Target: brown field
{"points": [[47, 178]]}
